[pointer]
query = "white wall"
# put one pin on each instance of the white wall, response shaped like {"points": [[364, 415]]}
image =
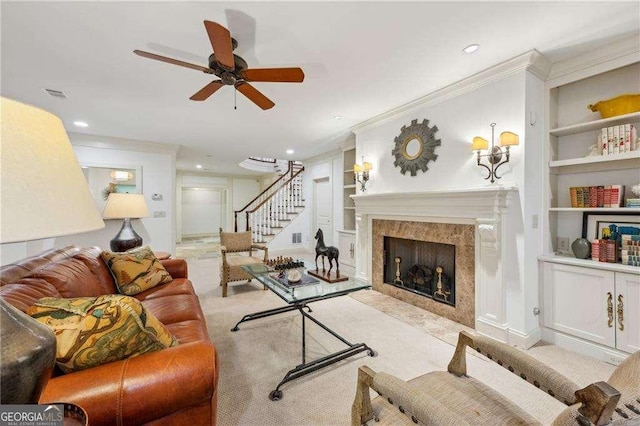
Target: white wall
{"points": [[506, 101], [157, 162], [243, 191]]}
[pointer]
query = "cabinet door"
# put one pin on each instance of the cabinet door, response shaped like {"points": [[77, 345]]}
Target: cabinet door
{"points": [[347, 247], [577, 300], [627, 312]]}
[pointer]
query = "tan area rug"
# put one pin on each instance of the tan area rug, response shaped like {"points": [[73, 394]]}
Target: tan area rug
{"points": [[192, 248], [408, 341]]}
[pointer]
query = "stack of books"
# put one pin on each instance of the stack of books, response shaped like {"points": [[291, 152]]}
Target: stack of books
{"points": [[633, 202], [618, 139], [631, 250], [597, 196], [604, 251]]}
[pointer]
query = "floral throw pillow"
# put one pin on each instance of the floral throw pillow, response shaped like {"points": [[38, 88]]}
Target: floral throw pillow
{"points": [[92, 331], [136, 270]]}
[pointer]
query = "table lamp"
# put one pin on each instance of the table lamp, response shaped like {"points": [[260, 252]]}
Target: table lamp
{"points": [[43, 194], [127, 207]]}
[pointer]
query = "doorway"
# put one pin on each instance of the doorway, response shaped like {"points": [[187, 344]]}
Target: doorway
{"points": [[323, 209]]}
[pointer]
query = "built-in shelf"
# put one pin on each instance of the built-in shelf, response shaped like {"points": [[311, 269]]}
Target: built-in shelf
{"points": [[596, 209], [349, 186], [349, 208], [569, 260], [595, 163], [595, 125]]}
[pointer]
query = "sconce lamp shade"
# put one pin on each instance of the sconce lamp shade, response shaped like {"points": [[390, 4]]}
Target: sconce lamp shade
{"points": [[479, 144], [367, 166], [122, 206], [43, 192], [508, 139], [357, 168]]}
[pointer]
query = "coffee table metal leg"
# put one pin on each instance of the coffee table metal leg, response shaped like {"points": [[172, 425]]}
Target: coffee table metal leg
{"points": [[307, 368], [267, 313]]}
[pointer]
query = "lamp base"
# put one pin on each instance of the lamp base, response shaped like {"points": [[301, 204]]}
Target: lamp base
{"points": [[28, 354], [126, 239]]}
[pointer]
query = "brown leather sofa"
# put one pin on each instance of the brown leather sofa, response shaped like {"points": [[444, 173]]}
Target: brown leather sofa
{"points": [[177, 385]]}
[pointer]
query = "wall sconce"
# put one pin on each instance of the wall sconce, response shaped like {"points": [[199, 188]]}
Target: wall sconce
{"points": [[494, 155], [362, 173]]}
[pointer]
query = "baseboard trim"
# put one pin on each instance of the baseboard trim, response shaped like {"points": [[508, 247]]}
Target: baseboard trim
{"points": [[603, 353], [495, 331], [525, 340]]}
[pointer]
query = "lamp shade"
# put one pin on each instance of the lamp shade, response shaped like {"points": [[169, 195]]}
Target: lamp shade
{"points": [[357, 168], [123, 206], [367, 166], [508, 139], [43, 191], [479, 143]]}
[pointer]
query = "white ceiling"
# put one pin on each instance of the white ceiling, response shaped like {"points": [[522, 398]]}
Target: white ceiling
{"points": [[360, 59]]}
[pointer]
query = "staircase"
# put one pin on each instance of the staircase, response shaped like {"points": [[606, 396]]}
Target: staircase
{"points": [[275, 207]]}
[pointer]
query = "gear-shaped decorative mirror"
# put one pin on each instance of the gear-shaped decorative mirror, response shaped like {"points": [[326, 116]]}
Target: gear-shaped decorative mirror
{"points": [[415, 147]]}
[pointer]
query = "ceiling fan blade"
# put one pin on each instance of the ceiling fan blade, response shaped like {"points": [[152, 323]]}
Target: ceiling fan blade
{"points": [[172, 61], [220, 38], [284, 75], [254, 95], [207, 91]]}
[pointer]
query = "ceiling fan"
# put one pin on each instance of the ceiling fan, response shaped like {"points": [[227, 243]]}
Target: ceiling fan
{"points": [[231, 69]]}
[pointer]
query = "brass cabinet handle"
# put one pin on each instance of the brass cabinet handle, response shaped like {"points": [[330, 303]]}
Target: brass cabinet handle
{"points": [[610, 309], [620, 312]]}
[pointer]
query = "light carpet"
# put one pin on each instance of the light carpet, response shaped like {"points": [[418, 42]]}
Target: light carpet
{"points": [[255, 359]]}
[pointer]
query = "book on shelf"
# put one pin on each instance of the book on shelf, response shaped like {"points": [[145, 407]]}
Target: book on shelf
{"points": [[618, 139], [595, 250], [599, 196], [633, 202]]}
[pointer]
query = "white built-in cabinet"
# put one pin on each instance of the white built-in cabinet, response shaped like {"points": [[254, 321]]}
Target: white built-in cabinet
{"points": [[593, 304], [586, 305], [347, 247]]}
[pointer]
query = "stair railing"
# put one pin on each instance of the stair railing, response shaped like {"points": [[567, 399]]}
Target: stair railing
{"points": [[270, 191]]}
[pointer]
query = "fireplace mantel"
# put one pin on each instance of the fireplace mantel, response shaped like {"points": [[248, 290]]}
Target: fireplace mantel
{"points": [[471, 203], [486, 208]]}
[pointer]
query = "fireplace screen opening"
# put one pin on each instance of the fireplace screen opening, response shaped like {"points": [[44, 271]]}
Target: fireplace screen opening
{"points": [[422, 267]]}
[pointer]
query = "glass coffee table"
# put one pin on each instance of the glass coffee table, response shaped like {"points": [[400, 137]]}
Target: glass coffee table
{"points": [[298, 296]]}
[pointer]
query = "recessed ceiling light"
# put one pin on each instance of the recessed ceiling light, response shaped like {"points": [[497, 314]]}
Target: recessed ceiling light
{"points": [[471, 48], [337, 117], [80, 124], [290, 151], [198, 166]]}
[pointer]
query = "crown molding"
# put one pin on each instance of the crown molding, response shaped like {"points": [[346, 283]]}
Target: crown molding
{"points": [[628, 46], [532, 61]]}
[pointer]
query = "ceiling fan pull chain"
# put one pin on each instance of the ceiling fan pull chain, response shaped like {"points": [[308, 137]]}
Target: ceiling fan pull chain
{"points": [[235, 93]]}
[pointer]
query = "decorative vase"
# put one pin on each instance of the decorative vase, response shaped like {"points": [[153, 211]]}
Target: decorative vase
{"points": [[581, 248], [28, 355]]}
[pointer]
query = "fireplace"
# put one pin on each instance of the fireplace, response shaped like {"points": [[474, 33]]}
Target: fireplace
{"points": [[421, 267], [474, 221]]}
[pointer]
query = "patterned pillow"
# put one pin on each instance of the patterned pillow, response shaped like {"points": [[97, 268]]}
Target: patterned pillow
{"points": [[136, 270], [91, 331]]}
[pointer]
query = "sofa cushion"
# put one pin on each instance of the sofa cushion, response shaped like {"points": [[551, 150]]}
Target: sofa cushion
{"points": [[93, 331], [136, 270]]}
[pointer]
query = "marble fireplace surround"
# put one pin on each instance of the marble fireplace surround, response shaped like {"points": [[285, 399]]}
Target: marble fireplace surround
{"points": [[483, 210], [461, 236]]}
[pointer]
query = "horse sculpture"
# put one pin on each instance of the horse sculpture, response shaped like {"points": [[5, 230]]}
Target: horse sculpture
{"points": [[321, 250]]}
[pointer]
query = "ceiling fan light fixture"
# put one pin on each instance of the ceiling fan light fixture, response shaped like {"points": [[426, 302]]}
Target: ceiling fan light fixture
{"points": [[471, 48]]}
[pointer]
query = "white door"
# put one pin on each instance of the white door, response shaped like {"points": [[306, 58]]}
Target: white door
{"points": [[580, 301], [628, 312], [323, 202], [201, 211]]}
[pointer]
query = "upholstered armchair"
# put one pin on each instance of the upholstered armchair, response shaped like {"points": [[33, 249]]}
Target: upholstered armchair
{"points": [[454, 398], [237, 250]]}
